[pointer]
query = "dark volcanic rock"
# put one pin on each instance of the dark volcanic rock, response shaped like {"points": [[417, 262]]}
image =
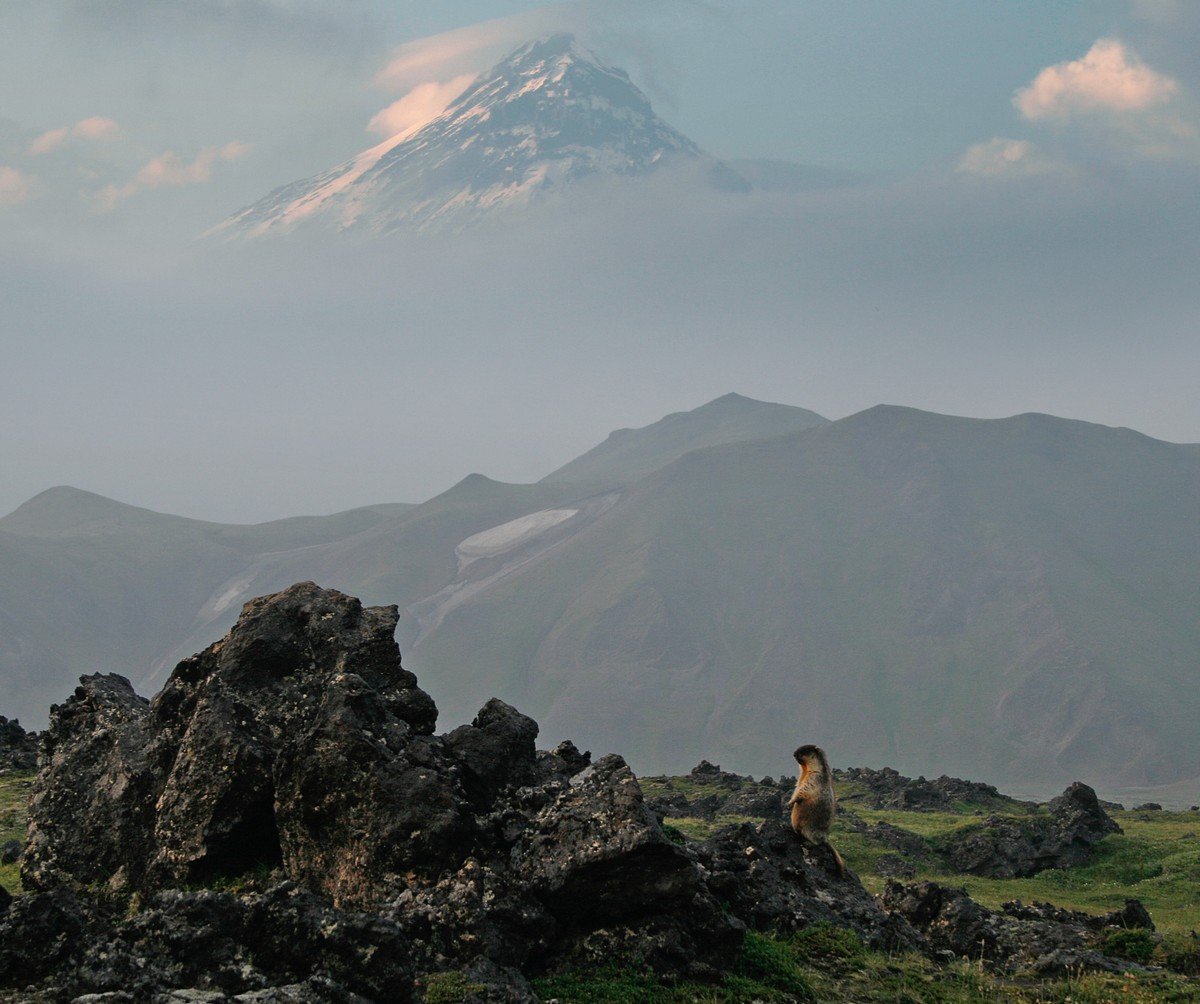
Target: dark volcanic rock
{"points": [[18, 748], [904, 842], [204, 941], [774, 881], [1132, 915], [1050, 943], [10, 852], [40, 933], [889, 789], [495, 751], [615, 884], [91, 811], [298, 745], [299, 733], [728, 795], [894, 866], [1014, 847], [586, 874], [757, 801]]}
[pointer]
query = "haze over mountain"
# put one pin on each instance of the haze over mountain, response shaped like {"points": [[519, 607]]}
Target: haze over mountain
{"points": [[1008, 599], [547, 117], [628, 454]]}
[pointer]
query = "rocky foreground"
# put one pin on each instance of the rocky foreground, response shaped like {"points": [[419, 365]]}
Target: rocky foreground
{"points": [[282, 823]]}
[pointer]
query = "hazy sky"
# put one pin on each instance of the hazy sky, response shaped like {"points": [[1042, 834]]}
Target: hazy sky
{"points": [[1019, 229]]}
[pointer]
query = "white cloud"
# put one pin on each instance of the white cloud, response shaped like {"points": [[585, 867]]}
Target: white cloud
{"points": [[95, 128], [1008, 158], [418, 107], [169, 170], [468, 50], [1108, 78], [15, 187]]}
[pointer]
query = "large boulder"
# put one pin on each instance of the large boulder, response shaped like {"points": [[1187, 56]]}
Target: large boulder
{"points": [[1017, 847], [774, 881], [92, 807], [581, 872], [298, 733]]}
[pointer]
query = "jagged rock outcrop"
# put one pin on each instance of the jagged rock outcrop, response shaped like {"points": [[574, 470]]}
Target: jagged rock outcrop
{"points": [[1015, 847], [298, 746], [725, 794], [1039, 939], [889, 789], [18, 748], [773, 881]]}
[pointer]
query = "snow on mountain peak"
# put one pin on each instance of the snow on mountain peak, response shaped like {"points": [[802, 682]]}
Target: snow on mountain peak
{"points": [[547, 115]]}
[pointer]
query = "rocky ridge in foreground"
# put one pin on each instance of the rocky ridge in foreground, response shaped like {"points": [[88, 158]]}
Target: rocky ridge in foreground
{"points": [[282, 823]]}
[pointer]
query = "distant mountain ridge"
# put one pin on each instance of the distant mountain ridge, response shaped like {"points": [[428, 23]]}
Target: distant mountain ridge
{"points": [[548, 116], [629, 454], [1008, 599]]}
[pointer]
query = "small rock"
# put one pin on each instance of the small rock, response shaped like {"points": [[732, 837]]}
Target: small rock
{"points": [[894, 866]]}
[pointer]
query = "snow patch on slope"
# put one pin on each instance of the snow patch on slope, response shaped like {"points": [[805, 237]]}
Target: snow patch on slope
{"points": [[508, 535]]}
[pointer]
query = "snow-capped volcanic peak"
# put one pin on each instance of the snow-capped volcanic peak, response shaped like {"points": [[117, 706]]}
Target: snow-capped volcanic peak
{"points": [[549, 114]]}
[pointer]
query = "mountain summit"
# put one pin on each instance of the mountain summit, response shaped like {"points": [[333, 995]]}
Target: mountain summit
{"points": [[547, 116]]}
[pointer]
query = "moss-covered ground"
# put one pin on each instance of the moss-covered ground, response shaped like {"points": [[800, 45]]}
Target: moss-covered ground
{"points": [[823, 964], [14, 796]]}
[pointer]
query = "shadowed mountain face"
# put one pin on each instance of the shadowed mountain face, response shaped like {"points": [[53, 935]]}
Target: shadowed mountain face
{"points": [[548, 116], [1013, 600]]}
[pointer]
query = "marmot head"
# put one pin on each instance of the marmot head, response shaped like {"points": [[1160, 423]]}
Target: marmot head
{"points": [[809, 752]]}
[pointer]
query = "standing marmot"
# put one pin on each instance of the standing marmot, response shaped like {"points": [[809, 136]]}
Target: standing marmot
{"points": [[813, 803]]}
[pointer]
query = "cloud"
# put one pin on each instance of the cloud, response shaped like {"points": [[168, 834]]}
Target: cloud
{"points": [[1008, 158], [95, 128], [419, 106], [169, 170], [15, 187], [468, 50], [1108, 79], [48, 141]]}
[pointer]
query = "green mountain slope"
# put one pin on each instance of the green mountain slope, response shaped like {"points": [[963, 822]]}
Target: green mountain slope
{"points": [[1005, 599]]}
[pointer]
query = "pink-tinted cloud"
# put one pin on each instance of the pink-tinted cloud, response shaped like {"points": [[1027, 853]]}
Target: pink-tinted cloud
{"points": [[1108, 79], [1007, 158], [15, 187], [469, 50], [95, 128], [418, 107], [169, 170]]}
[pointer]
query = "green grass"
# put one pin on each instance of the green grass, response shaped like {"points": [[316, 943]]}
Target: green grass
{"points": [[825, 964], [1156, 860], [702, 829], [655, 787], [14, 796], [448, 987]]}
